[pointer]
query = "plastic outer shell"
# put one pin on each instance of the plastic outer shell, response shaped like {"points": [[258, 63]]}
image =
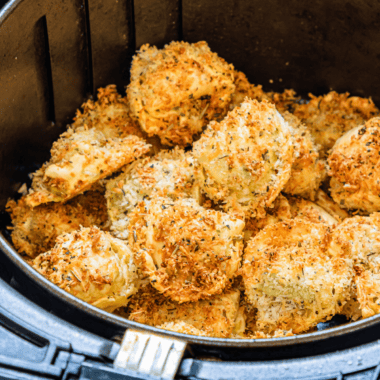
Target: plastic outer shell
{"points": [[54, 54]]}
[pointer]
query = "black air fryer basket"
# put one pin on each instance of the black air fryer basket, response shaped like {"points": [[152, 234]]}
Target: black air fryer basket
{"points": [[54, 54]]}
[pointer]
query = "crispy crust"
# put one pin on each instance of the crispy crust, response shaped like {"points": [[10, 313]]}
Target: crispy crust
{"points": [[278, 212], [173, 174], [275, 334], [354, 168], [352, 308], [308, 170], [311, 212], [243, 89], [214, 317], [93, 266], [188, 252], [110, 114], [182, 327], [246, 158], [291, 277], [331, 115], [360, 237], [328, 204], [175, 92], [36, 229], [288, 208], [79, 159]]}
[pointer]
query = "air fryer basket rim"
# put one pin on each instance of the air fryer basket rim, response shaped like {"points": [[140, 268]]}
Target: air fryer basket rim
{"points": [[67, 298]]}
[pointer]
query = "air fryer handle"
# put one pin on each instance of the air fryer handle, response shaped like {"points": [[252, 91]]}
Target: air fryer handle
{"points": [[36, 344], [150, 354]]}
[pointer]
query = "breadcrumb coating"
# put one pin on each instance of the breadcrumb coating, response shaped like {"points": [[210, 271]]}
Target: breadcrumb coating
{"points": [[174, 174], [308, 170], [109, 114], [36, 229], [292, 278], [310, 211], [275, 334], [330, 116], [93, 266], [244, 89], [279, 211], [328, 204], [176, 91], [182, 327], [246, 158], [79, 159], [188, 252], [214, 316], [288, 208], [355, 168], [352, 308], [360, 237]]}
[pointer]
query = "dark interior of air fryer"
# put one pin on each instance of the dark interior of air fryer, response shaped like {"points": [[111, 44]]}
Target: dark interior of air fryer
{"points": [[57, 53]]}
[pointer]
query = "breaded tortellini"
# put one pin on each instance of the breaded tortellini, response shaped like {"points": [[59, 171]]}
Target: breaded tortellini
{"points": [[329, 116], [331, 207], [182, 327], [246, 158], [288, 208], [176, 91], [36, 229], [188, 252], [244, 89], [278, 212], [360, 237], [93, 266], [292, 278], [79, 159], [214, 316], [109, 114], [355, 168], [174, 174], [351, 310], [310, 211], [308, 170]]}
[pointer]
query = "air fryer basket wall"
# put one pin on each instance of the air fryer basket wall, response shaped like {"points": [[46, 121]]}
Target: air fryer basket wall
{"points": [[56, 53]]}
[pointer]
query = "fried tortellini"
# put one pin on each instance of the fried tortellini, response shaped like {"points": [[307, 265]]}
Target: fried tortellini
{"points": [[200, 203], [174, 174], [288, 208], [354, 168], [35, 230], [79, 159], [215, 316], [330, 116], [188, 252], [93, 266], [176, 91], [292, 278], [109, 114], [246, 158], [360, 237], [308, 170]]}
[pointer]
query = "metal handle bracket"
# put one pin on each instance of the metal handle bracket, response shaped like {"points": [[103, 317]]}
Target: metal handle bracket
{"points": [[149, 354]]}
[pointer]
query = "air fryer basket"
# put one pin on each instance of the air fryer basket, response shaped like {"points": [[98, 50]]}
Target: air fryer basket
{"points": [[56, 53]]}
